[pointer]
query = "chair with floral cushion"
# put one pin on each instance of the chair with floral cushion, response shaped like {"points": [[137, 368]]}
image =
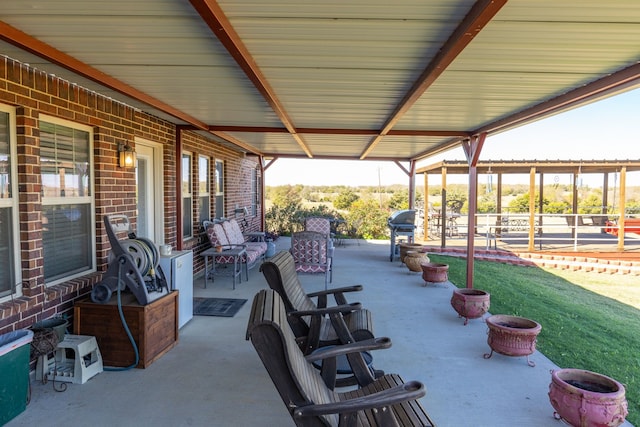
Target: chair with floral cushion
{"points": [[218, 238], [311, 254], [237, 237], [321, 225]]}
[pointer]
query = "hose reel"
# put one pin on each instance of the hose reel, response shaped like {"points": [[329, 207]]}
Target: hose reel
{"points": [[134, 265]]}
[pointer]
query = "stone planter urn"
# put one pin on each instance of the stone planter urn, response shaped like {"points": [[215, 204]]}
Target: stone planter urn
{"points": [[433, 272], [587, 399], [470, 303], [405, 247], [512, 336], [414, 259]]}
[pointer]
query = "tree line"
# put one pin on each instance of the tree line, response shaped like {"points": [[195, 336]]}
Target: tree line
{"points": [[362, 212]]}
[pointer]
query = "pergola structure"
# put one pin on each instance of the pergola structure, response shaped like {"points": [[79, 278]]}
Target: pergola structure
{"points": [[533, 168]]}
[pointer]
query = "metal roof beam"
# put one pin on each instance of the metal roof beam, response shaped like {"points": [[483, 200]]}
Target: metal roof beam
{"points": [[478, 17], [217, 21], [337, 131]]}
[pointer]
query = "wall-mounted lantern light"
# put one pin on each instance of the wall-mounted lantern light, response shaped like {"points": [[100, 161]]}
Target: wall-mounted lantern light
{"points": [[126, 155]]}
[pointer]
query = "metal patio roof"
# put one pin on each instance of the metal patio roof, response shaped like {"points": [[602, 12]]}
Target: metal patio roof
{"points": [[345, 79], [524, 166]]}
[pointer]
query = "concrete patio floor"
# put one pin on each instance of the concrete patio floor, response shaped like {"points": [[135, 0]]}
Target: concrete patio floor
{"points": [[213, 377]]}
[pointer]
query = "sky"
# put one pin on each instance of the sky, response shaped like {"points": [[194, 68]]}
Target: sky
{"points": [[604, 130]]}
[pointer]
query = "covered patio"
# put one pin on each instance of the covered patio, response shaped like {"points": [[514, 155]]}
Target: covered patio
{"points": [[239, 84], [214, 377]]}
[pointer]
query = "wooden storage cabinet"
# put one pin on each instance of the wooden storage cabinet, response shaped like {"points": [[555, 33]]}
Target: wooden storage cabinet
{"points": [[154, 328]]}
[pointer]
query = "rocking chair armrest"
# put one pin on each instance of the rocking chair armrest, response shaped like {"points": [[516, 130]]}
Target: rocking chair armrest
{"points": [[338, 294], [353, 288], [344, 308], [378, 343], [411, 390]]}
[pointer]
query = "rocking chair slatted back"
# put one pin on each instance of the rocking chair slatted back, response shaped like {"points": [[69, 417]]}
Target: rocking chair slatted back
{"points": [[307, 398], [281, 275]]}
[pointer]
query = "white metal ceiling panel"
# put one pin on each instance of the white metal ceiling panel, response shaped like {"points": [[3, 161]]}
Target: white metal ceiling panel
{"points": [[525, 56], [344, 63], [335, 64], [409, 146]]}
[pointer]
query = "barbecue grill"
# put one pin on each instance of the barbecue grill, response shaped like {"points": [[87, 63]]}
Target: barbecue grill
{"points": [[401, 223]]}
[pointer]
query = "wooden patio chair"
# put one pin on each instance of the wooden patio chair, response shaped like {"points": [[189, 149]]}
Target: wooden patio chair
{"points": [[315, 329], [312, 254], [387, 401]]}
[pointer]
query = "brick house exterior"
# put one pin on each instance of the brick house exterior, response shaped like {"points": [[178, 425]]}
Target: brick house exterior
{"points": [[33, 93]]}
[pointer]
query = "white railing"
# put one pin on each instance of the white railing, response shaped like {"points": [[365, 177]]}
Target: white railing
{"points": [[569, 229]]}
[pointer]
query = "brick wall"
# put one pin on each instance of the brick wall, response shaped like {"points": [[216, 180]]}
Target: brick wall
{"points": [[34, 93]]}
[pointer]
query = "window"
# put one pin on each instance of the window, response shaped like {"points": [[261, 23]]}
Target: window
{"points": [[187, 198], [254, 192], [9, 250], [68, 233], [204, 184], [219, 189]]}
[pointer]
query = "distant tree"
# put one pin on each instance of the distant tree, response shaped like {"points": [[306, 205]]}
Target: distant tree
{"points": [[399, 200], [345, 199], [592, 204], [521, 203], [486, 204], [287, 195], [367, 219], [557, 207]]}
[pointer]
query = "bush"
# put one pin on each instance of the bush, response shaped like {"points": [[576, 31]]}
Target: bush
{"points": [[345, 199], [369, 221], [285, 219]]}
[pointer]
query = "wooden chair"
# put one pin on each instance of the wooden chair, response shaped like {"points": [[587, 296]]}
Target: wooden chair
{"points": [[314, 328], [387, 401], [312, 254]]}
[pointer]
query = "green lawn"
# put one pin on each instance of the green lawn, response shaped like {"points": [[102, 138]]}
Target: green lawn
{"points": [[589, 320]]}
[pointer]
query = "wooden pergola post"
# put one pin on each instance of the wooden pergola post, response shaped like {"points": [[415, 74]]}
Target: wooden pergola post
{"points": [[623, 202], [425, 224], [532, 208]]}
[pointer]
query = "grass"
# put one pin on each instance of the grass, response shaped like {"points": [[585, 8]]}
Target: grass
{"points": [[588, 320]]}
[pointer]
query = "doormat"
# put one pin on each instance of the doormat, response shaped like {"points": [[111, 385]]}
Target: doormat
{"points": [[223, 307]]}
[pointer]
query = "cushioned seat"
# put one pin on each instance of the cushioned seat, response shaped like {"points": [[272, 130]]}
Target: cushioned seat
{"points": [[227, 235]]}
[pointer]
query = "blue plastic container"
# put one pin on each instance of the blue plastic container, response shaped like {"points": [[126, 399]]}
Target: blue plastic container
{"points": [[14, 373]]}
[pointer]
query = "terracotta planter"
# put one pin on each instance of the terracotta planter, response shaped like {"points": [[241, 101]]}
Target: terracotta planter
{"points": [[434, 272], [470, 303], [586, 399], [405, 247], [414, 259], [512, 336]]}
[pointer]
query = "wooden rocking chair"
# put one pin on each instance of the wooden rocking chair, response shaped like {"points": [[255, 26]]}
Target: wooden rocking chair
{"points": [[386, 402], [312, 324]]}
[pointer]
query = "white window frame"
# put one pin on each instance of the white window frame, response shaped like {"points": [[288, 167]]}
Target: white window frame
{"points": [[219, 180], [84, 200], [255, 191], [187, 194], [204, 193], [12, 204]]}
